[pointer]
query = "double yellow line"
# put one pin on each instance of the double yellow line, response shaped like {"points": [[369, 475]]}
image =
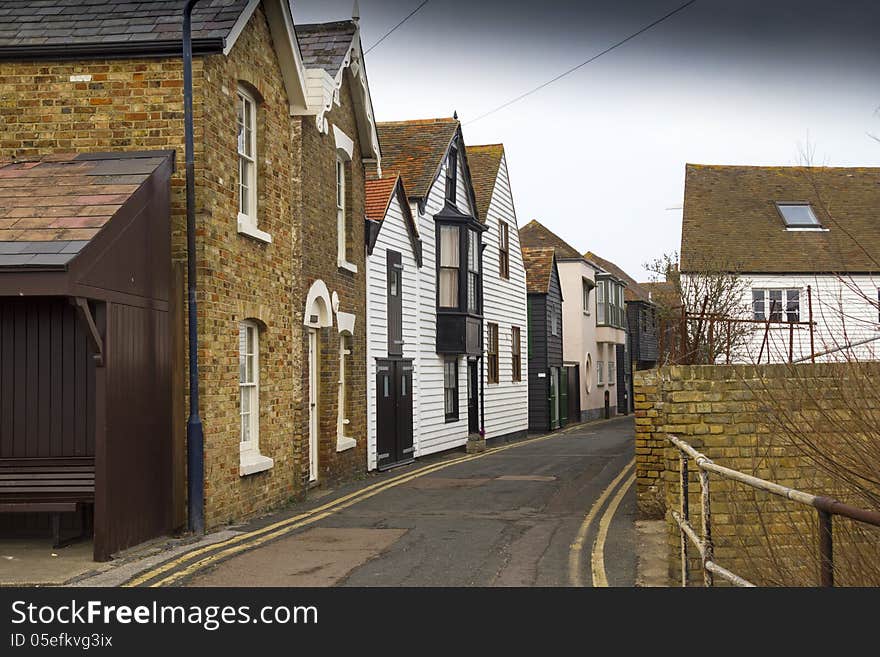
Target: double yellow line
{"points": [[187, 564], [597, 559]]}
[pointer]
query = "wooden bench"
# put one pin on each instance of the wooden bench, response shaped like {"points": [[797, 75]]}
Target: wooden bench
{"points": [[48, 485]]}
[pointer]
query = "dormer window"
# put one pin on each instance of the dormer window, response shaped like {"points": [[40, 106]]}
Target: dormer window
{"points": [[451, 174], [798, 215]]}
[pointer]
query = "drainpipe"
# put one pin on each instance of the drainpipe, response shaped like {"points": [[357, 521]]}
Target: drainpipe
{"points": [[195, 438]]}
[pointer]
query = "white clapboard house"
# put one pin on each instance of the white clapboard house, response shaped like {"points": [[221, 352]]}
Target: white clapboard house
{"points": [[505, 305], [394, 256], [432, 225], [806, 240]]}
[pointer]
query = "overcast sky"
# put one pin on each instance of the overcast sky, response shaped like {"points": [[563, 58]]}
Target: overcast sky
{"points": [[599, 156]]}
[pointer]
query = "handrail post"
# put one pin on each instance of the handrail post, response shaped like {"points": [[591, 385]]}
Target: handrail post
{"points": [[708, 546], [685, 514], [826, 549]]}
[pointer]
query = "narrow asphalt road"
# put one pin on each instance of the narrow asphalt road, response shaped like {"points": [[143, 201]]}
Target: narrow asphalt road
{"points": [[510, 518]]}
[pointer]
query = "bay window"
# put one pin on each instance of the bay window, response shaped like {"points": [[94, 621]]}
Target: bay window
{"points": [[473, 281], [449, 266]]}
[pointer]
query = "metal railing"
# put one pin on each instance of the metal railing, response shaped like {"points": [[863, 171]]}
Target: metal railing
{"points": [[826, 508]]}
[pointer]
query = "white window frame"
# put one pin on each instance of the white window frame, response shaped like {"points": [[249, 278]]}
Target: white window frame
{"points": [[344, 153], [586, 294], [612, 372], [343, 442], [250, 459], [247, 222], [600, 373], [765, 303]]}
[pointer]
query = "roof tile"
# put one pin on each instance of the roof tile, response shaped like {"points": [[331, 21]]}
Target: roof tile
{"points": [[415, 149]]}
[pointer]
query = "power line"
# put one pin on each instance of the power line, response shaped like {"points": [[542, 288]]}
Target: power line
{"points": [[582, 64], [388, 33]]}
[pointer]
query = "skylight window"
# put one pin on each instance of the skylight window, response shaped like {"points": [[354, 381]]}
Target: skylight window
{"points": [[798, 215]]}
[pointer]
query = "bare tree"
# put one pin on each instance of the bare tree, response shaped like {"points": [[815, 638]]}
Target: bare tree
{"points": [[700, 317]]}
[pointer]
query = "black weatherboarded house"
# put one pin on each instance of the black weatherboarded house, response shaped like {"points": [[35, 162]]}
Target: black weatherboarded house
{"points": [[85, 345], [548, 389]]}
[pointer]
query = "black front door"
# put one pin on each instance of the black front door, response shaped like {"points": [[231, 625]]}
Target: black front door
{"points": [[394, 422], [473, 397]]}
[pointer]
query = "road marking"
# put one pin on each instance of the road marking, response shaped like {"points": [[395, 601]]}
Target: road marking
{"points": [[248, 540], [576, 549], [598, 557]]}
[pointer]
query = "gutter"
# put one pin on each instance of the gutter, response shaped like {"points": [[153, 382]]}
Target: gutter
{"points": [[113, 50]]}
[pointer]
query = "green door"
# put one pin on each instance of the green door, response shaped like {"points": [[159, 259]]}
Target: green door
{"points": [[563, 396]]}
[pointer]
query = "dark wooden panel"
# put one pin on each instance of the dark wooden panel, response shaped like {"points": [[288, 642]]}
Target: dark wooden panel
{"points": [[45, 373], [394, 289]]}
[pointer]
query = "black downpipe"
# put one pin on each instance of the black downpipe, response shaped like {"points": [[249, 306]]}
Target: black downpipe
{"points": [[195, 438]]}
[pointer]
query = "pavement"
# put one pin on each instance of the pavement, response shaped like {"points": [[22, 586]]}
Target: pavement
{"points": [[557, 510]]}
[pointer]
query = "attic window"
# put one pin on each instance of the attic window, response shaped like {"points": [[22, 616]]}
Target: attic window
{"points": [[798, 215]]}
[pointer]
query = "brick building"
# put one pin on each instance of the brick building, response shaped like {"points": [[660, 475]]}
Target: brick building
{"points": [[283, 124]]}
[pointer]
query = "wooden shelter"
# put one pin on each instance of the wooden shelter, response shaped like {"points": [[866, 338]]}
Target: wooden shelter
{"points": [[85, 345]]}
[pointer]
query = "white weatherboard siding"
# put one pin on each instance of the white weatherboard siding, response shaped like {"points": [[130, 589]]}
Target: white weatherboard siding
{"points": [[394, 236], [844, 309], [504, 303], [434, 433]]}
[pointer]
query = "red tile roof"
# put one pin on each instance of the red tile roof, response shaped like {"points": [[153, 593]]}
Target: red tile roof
{"points": [[415, 149], [538, 262], [484, 162], [535, 234], [378, 196]]}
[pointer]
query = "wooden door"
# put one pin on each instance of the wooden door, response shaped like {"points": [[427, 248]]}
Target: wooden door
{"points": [[473, 392], [314, 380], [394, 410], [574, 393], [563, 397]]}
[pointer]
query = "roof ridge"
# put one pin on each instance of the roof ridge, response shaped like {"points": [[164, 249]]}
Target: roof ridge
{"points": [[419, 121]]}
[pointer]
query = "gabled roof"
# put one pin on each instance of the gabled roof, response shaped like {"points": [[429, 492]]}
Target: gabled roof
{"points": [[378, 196], [662, 293], [325, 45], [538, 262], [29, 25], [731, 220], [415, 149], [634, 291], [484, 163], [51, 207], [535, 234]]}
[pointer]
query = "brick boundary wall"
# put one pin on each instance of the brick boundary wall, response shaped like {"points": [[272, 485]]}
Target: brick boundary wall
{"points": [[728, 413]]}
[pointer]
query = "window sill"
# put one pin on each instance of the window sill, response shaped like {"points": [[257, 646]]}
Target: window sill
{"points": [[343, 443], [253, 462], [347, 266], [450, 420], [249, 230]]}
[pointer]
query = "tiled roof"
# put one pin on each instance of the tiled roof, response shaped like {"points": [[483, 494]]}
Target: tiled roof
{"points": [[325, 45], [538, 262], [101, 22], [51, 207], [662, 293], [484, 162], [535, 234], [415, 150], [730, 219], [634, 291], [378, 196]]}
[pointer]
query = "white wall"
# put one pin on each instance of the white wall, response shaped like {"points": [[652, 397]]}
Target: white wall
{"points": [[435, 434], [841, 312], [394, 236], [504, 303]]}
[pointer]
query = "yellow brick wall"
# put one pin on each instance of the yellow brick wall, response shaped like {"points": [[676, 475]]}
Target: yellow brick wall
{"points": [[733, 414], [137, 104]]}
